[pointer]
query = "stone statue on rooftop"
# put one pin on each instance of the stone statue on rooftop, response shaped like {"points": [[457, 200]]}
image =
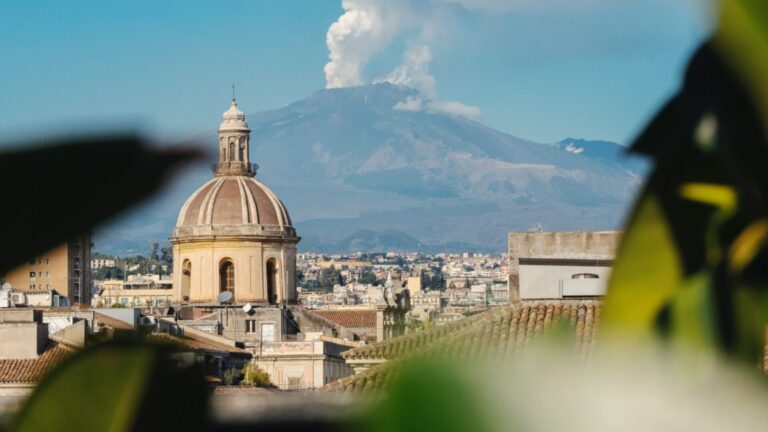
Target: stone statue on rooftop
{"points": [[389, 295]]}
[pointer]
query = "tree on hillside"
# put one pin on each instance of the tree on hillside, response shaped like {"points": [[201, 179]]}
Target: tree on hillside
{"points": [[105, 273], [367, 277]]}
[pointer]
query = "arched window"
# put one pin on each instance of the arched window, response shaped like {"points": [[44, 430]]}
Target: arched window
{"points": [[186, 280], [271, 281], [231, 151], [242, 152], [227, 276]]}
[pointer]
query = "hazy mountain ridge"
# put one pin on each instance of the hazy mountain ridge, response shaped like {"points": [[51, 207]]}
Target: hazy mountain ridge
{"points": [[356, 172]]}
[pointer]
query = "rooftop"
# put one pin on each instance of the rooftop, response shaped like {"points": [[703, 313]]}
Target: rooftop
{"points": [[29, 371], [503, 330], [349, 318]]}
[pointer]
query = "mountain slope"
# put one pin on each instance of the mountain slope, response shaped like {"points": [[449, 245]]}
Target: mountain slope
{"points": [[348, 164]]}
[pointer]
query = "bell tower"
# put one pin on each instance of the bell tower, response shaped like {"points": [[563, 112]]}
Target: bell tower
{"points": [[234, 143]]}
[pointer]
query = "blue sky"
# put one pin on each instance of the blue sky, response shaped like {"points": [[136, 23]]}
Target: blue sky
{"points": [[586, 68]]}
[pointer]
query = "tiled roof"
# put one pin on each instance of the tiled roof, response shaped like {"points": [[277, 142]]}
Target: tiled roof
{"points": [[500, 332], [192, 343], [29, 371], [112, 322], [350, 318]]}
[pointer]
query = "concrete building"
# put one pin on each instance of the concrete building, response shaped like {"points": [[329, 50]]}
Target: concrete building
{"points": [[65, 268], [302, 365], [233, 233], [558, 265], [138, 291]]}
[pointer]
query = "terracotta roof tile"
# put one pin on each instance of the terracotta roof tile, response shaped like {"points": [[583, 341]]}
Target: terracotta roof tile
{"points": [[500, 332], [29, 371], [350, 318]]}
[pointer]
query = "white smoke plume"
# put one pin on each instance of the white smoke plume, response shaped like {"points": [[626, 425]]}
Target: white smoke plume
{"points": [[414, 72], [367, 26], [360, 33]]}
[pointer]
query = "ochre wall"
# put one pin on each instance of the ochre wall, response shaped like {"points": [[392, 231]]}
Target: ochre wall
{"points": [[249, 258], [55, 262]]}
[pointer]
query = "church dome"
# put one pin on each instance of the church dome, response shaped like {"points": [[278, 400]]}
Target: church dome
{"points": [[233, 233], [232, 201]]}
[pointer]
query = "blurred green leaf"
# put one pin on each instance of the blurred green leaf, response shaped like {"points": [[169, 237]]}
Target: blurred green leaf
{"points": [[646, 272], [118, 386], [430, 396], [117, 171], [742, 37], [99, 390]]}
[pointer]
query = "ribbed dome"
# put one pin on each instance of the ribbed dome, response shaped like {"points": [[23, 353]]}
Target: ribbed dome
{"points": [[234, 200]]}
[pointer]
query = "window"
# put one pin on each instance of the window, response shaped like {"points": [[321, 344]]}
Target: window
{"points": [[48, 274], [31, 275], [250, 326], [231, 151], [227, 276], [39, 260], [47, 261], [31, 286], [585, 276], [296, 382], [39, 274]]}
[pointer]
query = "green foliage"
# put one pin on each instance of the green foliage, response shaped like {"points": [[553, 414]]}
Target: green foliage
{"points": [[367, 277], [105, 273], [255, 377], [435, 282], [117, 387], [231, 376], [429, 396], [66, 165], [117, 305], [692, 266]]}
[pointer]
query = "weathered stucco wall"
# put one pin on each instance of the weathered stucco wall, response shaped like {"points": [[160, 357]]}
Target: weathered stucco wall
{"points": [[601, 245]]}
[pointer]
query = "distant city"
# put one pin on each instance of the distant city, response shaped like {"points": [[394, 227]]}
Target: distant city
{"points": [[443, 287]]}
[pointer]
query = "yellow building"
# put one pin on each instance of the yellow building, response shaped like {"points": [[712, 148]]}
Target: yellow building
{"points": [[233, 233], [65, 268], [414, 284]]}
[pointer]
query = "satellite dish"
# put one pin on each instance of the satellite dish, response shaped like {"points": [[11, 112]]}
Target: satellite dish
{"points": [[247, 307], [6, 287], [224, 297]]}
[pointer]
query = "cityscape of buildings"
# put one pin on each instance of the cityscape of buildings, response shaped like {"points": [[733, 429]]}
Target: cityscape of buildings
{"points": [[234, 293]]}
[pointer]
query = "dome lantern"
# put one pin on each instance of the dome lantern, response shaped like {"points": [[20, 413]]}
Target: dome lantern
{"points": [[234, 144]]}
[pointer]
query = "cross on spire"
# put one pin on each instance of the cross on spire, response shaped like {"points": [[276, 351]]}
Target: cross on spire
{"points": [[233, 92]]}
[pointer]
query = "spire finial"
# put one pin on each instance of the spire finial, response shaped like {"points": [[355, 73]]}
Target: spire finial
{"points": [[233, 92]]}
